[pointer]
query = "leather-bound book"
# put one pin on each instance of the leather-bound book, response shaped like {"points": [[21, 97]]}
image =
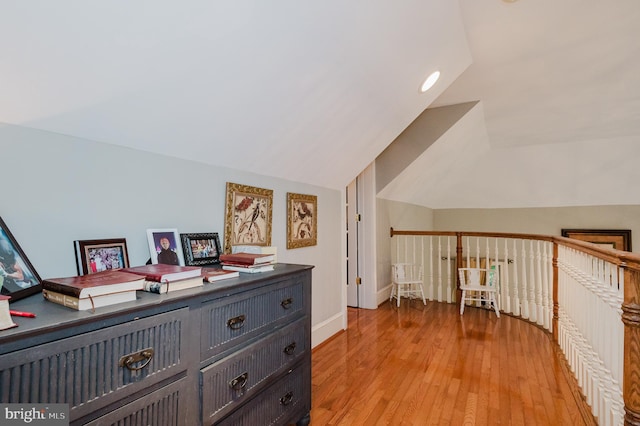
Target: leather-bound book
{"points": [[99, 283]]}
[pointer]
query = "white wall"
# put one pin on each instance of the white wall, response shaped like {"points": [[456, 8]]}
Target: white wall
{"points": [[400, 216], [58, 189]]}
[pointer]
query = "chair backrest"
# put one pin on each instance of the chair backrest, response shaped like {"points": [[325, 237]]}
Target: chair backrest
{"points": [[479, 276], [406, 272]]}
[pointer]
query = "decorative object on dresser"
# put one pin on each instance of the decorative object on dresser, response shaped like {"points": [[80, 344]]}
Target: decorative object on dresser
{"points": [[248, 269], [164, 246], [91, 286], [201, 249], [170, 286], [162, 278], [5, 317], [100, 255], [162, 272], [246, 258], [248, 216], [93, 302], [302, 220], [256, 249], [225, 355], [18, 277], [218, 274]]}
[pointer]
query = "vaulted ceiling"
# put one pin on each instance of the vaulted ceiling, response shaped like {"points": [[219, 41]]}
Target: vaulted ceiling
{"points": [[315, 91]]}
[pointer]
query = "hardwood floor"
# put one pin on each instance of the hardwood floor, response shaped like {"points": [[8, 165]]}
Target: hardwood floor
{"points": [[427, 365]]}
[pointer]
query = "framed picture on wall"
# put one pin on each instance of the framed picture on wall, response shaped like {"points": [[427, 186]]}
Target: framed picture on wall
{"points": [[302, 220], [18, 277], [101, 255], [201, 249], [618, 239], [164, 246], [248, 216]]}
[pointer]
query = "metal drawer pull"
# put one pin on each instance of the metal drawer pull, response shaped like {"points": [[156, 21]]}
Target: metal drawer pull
{"points": [[286, 303], [236, 323], [143, 356], [287, 398], [239, 382], [290, 349]]}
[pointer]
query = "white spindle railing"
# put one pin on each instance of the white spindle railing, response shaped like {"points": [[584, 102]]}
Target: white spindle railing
{"points": [[597, 325], [590, 329]]}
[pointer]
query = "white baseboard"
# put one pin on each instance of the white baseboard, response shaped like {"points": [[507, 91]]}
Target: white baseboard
{"points": [[383, 295], [326, 329]]}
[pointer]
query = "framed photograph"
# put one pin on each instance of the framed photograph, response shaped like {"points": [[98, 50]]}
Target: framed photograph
{"points": [[302, 220], [248, 216], [101, 255], [619, 239], [164, 246], [18, 278], [201, 249]]}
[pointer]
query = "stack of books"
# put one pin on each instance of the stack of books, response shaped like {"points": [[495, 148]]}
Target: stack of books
{"points": [[161, 278], [250, 263], [93, 290]]}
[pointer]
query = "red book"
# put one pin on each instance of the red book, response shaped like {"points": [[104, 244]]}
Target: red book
{"points": [[99, 283], [215, 274], [161, 272], [247, 258]]}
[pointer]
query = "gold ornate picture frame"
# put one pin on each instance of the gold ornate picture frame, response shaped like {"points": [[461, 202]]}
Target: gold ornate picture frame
{"points": [[302, 220], [248, 216]]}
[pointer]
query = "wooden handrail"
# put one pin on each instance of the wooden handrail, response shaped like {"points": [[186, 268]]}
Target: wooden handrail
{"points": [[630, 263]]}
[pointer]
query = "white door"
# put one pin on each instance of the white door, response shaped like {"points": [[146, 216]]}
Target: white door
{"points": [[353, 276]]}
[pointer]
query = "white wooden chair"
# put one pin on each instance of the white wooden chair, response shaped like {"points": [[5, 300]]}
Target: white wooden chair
{"points": [[406, 281], [479, 285]]}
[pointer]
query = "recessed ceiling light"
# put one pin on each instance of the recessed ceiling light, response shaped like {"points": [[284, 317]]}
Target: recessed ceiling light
{"points": [[430, 81]]}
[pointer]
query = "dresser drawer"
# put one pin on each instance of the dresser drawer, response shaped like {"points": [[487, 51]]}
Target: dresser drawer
{"points": [[166, 406], [285, 402], [95, 369], [229, 321], [232, 380]]}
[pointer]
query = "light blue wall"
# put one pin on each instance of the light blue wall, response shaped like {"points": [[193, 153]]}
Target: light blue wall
{"points": [[58, 189]]}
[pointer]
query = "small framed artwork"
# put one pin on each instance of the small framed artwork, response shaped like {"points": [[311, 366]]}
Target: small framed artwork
{"points": [[18, 278], [164, 246], [100, 255], [618, 239], [248, 216], [302, 220], [201, 249]]}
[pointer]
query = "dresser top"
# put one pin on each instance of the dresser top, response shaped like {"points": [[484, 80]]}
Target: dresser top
{"points": [[51, 317]]}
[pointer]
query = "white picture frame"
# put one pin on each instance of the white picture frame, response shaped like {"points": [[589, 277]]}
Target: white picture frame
{"points": [[155, 239]]}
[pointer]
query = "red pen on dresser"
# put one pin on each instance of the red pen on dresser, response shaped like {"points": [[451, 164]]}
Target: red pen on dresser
{"points": [[22, 314]]}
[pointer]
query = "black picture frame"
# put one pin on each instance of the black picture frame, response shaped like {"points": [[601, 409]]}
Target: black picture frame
{"points": [[15, 263], [101, 255], [201, 248]]}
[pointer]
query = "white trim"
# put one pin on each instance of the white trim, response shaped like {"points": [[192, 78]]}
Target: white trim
{"points": [[324, 330]]}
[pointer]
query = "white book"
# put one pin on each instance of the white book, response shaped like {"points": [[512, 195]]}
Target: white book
{"points": [[249, 270]]}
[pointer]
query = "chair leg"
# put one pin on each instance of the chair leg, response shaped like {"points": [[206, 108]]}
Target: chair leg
{"points": [[424, 300], [462, 302], [495, 305], [399, 294]]}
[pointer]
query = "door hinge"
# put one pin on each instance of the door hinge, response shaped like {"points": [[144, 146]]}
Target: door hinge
{"points": [[358, 280], [358, 217]]}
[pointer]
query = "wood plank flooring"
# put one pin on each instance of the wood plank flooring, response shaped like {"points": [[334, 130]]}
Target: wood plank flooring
{"points": [[427, 365]]}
